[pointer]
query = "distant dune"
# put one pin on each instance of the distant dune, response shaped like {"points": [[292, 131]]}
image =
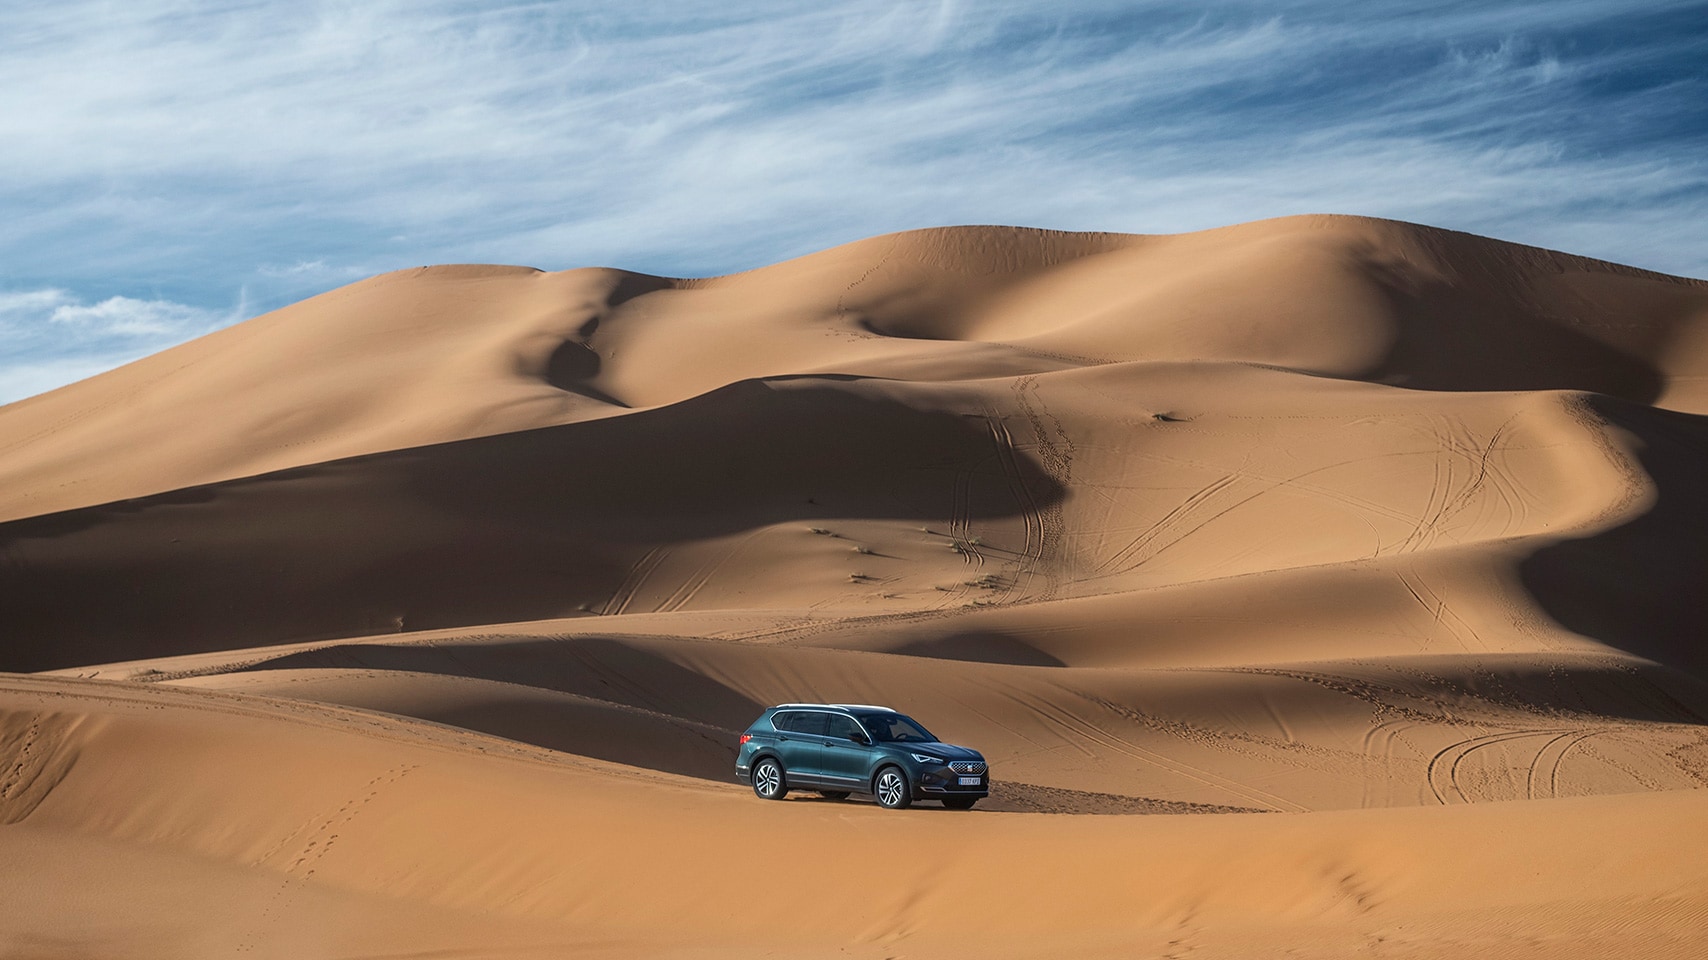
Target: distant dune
{"points": [[420, 618]]}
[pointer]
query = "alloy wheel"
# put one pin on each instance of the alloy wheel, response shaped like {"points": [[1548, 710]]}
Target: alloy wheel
{"points": [[768, 780], [892, 789]]}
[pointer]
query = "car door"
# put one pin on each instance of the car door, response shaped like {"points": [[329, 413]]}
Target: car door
{"points": [[800, 744], [844, 760]]}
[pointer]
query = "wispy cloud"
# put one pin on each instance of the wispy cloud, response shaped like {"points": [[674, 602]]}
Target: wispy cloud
{"points": [[49, 337], [129, 317], [176, 151]]}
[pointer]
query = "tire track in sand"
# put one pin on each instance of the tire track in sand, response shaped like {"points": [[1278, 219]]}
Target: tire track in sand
{"points": [[696, 582], [636, 578], [1031, 550], [1443, 771], [1055, 459], [960, 517], [1552, 755]]}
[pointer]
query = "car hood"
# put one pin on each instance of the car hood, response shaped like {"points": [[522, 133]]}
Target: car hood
{"points": [[947, 751]]}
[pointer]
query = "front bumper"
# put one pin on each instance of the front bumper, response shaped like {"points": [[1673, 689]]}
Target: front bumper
{"points": [[943, 782]]}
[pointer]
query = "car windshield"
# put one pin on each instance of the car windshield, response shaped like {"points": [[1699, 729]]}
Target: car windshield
{"points": [[895, 728]]}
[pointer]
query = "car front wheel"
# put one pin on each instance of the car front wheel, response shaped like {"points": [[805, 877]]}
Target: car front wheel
{"points": [[892, 790], [768, 780]]}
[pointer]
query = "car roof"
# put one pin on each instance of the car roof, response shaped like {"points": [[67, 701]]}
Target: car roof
{"points": [[846, 707]]}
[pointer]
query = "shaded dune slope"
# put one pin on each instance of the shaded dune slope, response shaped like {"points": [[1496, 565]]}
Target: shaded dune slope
{"points": [[524, 525]]}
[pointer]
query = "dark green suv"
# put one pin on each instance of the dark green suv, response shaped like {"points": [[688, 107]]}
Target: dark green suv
{"points": [[841, 748]]}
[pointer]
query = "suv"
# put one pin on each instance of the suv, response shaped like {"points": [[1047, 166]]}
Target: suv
{"points": [[841, 748]]}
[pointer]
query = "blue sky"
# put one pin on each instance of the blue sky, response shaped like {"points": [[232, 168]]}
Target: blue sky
{"points": [[168, 166]]}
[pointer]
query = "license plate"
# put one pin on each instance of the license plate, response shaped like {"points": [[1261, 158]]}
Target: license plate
{"points": [[969, 781]]}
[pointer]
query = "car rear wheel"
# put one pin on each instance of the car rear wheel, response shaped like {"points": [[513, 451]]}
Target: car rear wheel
{"points": [[892, 790], [960, 803], [834, 794], [768, 780]]}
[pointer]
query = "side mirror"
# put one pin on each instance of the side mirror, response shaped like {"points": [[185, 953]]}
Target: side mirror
{"points": [[858, 737]]}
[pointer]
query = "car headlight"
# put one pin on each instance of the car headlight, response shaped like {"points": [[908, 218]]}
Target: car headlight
{"points": [[922, 758]]}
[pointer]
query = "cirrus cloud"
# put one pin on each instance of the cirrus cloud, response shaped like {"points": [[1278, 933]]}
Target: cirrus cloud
{"points": [[50, 337]]}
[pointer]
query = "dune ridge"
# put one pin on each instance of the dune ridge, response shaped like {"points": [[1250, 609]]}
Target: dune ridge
{"points": [[1367, 547]]}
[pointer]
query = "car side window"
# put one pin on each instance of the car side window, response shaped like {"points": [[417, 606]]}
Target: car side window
{"points": [[810, 723], [897, 729], [842, 728], [786, 722]]}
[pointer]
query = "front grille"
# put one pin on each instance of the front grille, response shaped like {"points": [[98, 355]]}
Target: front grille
{"points": [[967, 767]]}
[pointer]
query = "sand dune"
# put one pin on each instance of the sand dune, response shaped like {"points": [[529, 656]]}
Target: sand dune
{"points": [[422, 616], [410, 839], [446, 353]]}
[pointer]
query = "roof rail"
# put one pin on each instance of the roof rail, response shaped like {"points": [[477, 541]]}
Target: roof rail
{"points": [[838, 706]]}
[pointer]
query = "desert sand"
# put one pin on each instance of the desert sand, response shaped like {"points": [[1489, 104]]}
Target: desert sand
{"points": [[1318, 587]]}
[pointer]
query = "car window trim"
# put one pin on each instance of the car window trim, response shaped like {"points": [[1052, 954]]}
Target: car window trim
{"points": [[782, 713], [850, 718], [828, 713]]}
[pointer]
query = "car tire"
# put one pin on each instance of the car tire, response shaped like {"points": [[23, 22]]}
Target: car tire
{"points": [[834, 794], [960, 803], [891, 788], [769, 780]]}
